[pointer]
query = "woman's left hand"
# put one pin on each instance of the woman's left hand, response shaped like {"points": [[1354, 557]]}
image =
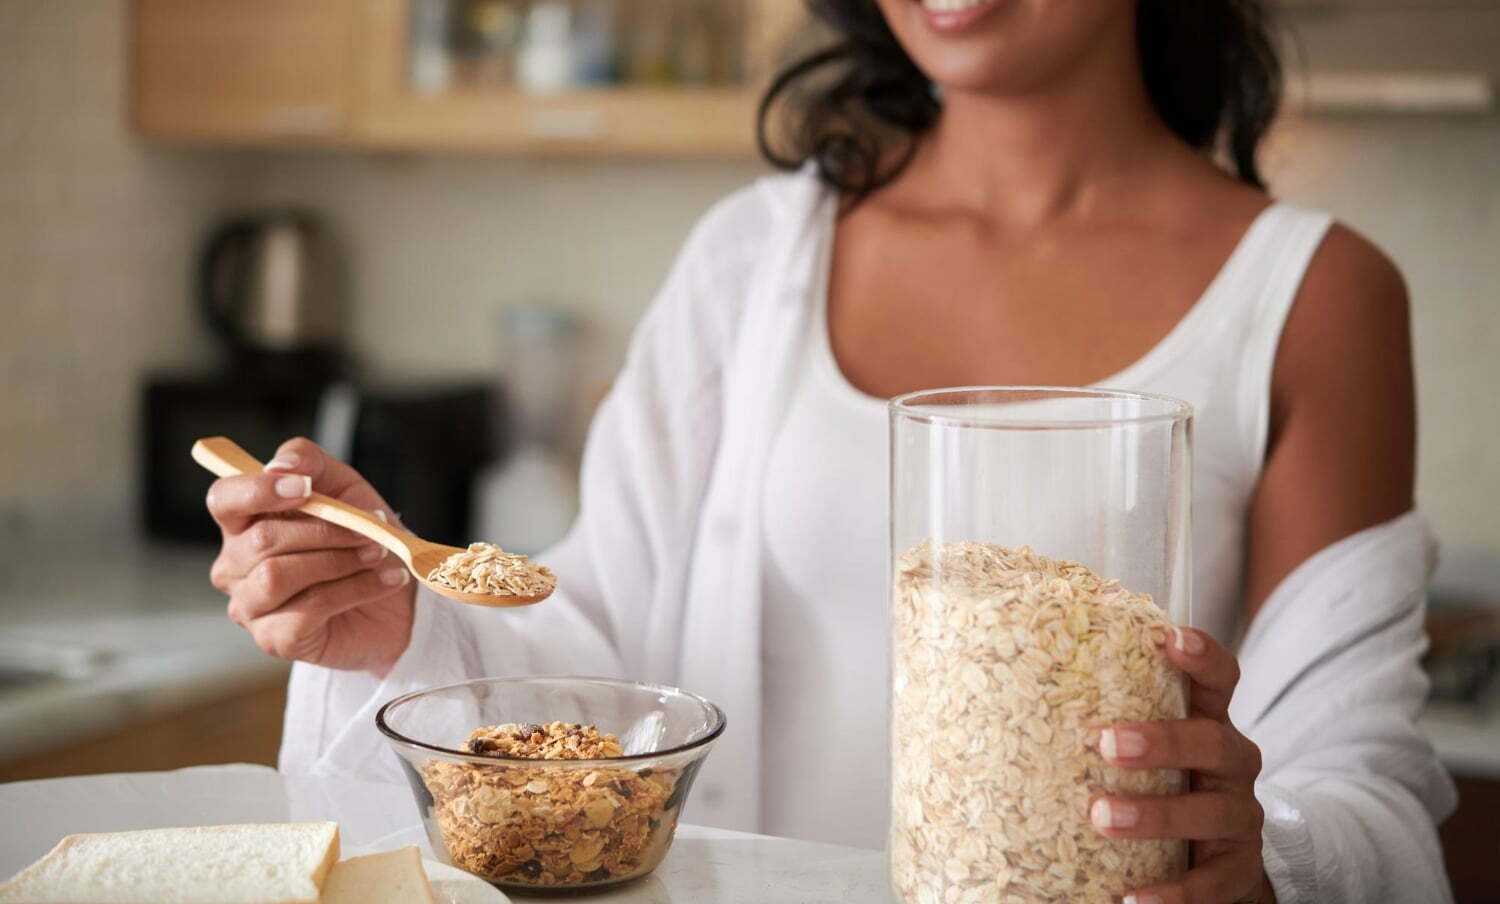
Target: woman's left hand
{"points": [[1219, 814]]}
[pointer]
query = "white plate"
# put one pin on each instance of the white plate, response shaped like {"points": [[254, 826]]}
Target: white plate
{"points": [[454, 886]]}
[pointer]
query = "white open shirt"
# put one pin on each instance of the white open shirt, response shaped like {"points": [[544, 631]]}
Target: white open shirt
{"points": [[662, 577]]}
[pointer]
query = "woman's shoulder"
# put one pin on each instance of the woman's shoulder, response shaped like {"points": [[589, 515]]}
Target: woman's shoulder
{"points": [[1349, 328], [1343, 275], [1353, 276], [1352, 297]]}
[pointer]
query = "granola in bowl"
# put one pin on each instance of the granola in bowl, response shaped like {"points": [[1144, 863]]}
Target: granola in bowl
{"points": [[521, 823], [551, 805]]}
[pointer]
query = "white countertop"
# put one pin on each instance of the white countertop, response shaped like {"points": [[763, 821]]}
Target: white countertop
{"points": [[704, 866], [170, 646], [158, 627]]}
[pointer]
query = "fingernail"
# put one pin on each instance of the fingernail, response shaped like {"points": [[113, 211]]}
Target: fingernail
{"points": [[1187, 641], [1121, 743], [395, 577], [1143, 899], [380, 513], [371, 554], [286, 461], [1107, 814], [294, 486]]}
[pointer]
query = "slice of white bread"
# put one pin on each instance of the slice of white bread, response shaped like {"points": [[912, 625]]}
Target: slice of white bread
{"points": [[395, 877], [247, 864]]}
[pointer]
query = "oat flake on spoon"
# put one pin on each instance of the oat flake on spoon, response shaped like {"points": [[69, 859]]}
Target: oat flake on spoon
{"points": [[486, 568]]}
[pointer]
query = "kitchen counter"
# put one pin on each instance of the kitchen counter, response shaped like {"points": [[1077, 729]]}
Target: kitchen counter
{"points": [[137, 633], [1467, 738], [704, 866], [150, 637]]}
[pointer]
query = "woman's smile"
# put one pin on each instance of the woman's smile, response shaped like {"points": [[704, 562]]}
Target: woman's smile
{"points": [[954, 16]]}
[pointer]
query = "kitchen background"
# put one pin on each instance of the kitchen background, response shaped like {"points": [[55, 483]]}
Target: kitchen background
{"points": [[492, 180]]}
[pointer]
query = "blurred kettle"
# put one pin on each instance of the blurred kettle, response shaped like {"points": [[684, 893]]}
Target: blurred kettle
{"points": [[272, 283]]}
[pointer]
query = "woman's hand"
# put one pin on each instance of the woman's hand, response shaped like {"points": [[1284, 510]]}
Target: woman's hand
{"points": [[305, 589], [1219, 814]]}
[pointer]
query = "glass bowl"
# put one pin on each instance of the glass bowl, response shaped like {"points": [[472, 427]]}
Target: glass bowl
{"points": [[552, 824]]}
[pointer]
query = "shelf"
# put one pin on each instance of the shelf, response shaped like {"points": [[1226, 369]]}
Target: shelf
{"points": [[1345, 6], [626, 120], [1392, 92], [617, 121], [280, 73]]}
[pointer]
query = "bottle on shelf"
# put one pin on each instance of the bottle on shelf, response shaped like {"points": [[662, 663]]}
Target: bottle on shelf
{"points": [[547, 61], [649, 58], [429, 63], [595, 37]]}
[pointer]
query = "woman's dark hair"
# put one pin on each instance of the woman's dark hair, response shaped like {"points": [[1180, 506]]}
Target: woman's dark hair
{"points": [[858, 107]]}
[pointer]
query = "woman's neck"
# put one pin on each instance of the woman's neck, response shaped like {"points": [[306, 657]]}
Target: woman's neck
{"points": [[1022, 158]]}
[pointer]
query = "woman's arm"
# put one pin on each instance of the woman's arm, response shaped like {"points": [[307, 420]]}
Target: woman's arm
{"points": [[1351, 790], [1342, 448], [645, 467], [1311, 782]]}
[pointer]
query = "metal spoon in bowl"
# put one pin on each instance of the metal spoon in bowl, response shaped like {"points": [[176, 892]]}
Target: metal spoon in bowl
{"points": [[225, 458]]}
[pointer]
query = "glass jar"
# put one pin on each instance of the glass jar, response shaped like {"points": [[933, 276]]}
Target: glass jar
{"points": [[1040, 539]]}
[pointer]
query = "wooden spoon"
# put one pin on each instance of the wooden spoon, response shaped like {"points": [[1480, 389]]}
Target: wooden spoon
{"points": [[225, 458]]}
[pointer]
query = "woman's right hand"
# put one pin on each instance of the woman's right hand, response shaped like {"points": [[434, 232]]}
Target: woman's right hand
{"points": [[305, 589]]}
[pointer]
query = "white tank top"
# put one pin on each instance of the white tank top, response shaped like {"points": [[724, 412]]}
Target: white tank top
{"points": [[825, 631]]}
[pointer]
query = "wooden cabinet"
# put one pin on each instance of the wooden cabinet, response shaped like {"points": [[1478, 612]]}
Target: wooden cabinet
{"points": [[336, 73], [237, 73], [1471, 845]]}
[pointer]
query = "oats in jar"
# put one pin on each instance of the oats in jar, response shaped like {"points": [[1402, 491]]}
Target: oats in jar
{"points": [[1006, 665]]}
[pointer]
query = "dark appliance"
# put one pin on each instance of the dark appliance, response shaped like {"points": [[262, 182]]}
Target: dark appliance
{"points": [[272, 284], [421, 446]]}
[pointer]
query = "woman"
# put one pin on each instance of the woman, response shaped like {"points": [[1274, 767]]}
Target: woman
{"points": [[987, 192]]}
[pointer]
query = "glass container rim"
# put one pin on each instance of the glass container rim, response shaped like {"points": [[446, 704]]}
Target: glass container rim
{"points": [[913, 406], [396, 737]]}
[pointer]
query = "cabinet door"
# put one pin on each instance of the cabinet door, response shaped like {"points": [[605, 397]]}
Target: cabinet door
{"points": [[613, 119], [261, 72]]}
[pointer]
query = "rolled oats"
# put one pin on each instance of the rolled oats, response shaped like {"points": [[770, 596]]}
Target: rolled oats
{"points": [[1006, 665], [533, 819], [485, 568]]}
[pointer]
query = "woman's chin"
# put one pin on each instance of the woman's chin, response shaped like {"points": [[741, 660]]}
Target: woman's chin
{"points": [[1004, 47]]}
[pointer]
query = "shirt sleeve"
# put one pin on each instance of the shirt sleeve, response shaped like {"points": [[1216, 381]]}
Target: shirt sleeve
{"points": [[1333, 684], [645, 469], [1355, 821]]}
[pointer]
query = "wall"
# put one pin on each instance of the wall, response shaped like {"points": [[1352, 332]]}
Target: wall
{"points": [[441, 244], [96, 236], [97, 233], [1427, 190]]}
